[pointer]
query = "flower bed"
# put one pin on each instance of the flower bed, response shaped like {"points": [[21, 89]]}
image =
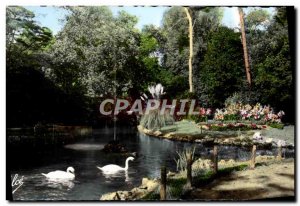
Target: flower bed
{"points": [[241, 126], [238, 111], [234, 127]]}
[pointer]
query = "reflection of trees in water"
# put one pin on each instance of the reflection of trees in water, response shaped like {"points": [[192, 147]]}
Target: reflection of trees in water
{"points": [[156, 152]]}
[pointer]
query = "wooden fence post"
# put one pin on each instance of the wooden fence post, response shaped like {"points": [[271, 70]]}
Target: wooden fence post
{"points": [[253, 155], [163, 183], [279, 153], [189, 163], [215, 159]]}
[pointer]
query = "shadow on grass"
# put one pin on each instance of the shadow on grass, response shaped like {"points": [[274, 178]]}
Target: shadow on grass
{"points": [[209, 176], [176, 187], [287, 175], [280, 188], [243, 194], [224, 195]]}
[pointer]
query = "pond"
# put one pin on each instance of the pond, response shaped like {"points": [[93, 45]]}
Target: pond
{"points": [[86, 154]]}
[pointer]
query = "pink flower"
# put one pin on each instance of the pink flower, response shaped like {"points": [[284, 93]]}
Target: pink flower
{"points": [[243, 112], [208, 111], [202, 111]]}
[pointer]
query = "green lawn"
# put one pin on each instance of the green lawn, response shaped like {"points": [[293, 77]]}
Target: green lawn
{"points": [[182, 127], [186, 127]]}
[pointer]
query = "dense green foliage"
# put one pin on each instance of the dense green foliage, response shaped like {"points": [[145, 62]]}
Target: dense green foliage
{"points": [[98, 51], [272, 70], [25, 39], [222, 70], [32, 97], [63, 78]]}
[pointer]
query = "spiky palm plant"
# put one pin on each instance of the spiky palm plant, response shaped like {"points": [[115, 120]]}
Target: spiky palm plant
{"points": [[154, 120]]}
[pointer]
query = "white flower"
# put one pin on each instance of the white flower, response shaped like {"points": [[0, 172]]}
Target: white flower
{"points": [[158, 89], [281, 113], [152, 91], [162, 90]]}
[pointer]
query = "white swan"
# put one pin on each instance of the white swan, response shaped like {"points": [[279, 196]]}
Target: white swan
{"points": [[69, 175], [115, 168]]}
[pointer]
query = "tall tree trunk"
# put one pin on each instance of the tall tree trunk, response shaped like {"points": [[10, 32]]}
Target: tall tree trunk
{"points": [[244, 42], [191, 49]]}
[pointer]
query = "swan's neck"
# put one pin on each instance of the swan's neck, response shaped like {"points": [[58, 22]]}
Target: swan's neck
{"points": [[126, 165]]}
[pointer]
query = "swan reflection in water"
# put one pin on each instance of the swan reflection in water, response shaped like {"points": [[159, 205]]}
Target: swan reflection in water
{"points": [[110, 176], [59, 183]]}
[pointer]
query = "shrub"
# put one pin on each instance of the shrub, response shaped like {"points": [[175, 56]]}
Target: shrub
{"points": [[181, 162], [233, 99], [154, 120], [176, 187], [197, 118], [276, 125]]}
